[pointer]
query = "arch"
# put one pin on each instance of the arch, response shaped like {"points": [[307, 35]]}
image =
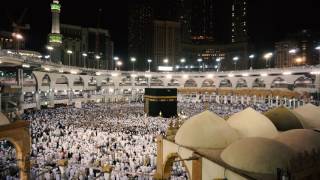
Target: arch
{"points": [[304, 82], [107, 82], [126, 81], [92, 81], [173, 82], [190, 83], [169, 164], [258, 83], [78, 81], [46, 80], [155, 81], [18, 134], [241, 83], [279, 82], [225, 83], [208, 83], [29, 80], [62, 80], [141, 81], [13, 163]]}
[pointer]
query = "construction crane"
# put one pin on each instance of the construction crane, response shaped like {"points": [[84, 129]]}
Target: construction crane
{"points": [[98, 37], [17, 27]]}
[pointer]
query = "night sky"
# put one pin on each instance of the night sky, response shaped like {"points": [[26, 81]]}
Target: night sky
{"points": [[268, 21]]}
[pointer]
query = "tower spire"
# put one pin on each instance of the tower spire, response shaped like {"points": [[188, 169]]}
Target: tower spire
{"points": [[55, 37]]}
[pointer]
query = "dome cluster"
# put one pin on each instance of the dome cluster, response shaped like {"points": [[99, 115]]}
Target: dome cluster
{"points": [[253, 142]]}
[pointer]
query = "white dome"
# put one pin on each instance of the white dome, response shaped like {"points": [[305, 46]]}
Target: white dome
{"points": [[310, 114], [285, 119], [206, 130], [300, 140], [258, 155], [250, 123]]}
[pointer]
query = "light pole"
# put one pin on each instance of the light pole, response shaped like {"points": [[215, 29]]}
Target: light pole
{"points": [[219, 64], [199, 61], [298, 61], [97, 57], [267, 57], [18, 37], [119, 64], [69, 52], [292, 52], [116, 59], [133, 60], [149, 62], [50, 49], [84, 55], [182, 61], [251, 57], [47, 57], [235, 60], [318, 49], [166, 61]]}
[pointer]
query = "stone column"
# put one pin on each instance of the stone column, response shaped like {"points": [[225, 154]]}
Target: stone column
{"points": [[254, 99], [277, 101], [21, 101], [242, 100], [269, 100], [285, 102], [51, 97], [24, 165], [294, 103], [159, 171], [38, 101], [196, 167]]}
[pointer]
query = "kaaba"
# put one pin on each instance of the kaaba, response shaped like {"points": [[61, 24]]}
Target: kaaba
{"points": [[160, 102]]}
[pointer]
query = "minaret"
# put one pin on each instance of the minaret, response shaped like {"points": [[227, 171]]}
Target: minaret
{"points": [[55, 37]]}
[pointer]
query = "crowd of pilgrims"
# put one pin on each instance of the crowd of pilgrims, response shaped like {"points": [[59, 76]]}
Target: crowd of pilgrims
{"points": [[118, 135]]}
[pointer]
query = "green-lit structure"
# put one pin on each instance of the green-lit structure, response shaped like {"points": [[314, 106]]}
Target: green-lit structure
{"points": [[55, 38]]}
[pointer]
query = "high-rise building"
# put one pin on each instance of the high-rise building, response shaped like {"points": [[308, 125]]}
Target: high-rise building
{"points": [[297, 49], [166, 42], [184, 12], [239, 21], [282, 56], [141, 15], [209, 53], [82, 41], [202, 21], [55, 38]]}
